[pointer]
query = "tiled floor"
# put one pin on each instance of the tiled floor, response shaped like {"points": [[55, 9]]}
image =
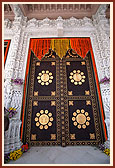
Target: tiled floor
{"points": [[63, 155]]}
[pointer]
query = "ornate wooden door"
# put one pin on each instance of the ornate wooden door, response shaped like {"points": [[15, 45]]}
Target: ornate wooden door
{"points": [[43, 108], [62, 104], [82, 116]]}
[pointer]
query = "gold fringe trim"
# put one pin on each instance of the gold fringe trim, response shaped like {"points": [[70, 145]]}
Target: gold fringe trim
{"points": [[60, 46]]}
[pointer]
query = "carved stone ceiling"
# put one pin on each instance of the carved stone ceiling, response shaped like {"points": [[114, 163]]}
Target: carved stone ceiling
{"points": [[52, 11]]}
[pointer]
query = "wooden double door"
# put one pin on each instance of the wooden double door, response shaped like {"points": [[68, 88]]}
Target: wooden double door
{"points": [[62, 104]]}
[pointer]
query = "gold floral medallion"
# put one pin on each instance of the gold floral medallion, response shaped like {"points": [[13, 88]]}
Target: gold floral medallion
{"points": [[81, 119], [45, 77], [77, 77], [43, 119]]}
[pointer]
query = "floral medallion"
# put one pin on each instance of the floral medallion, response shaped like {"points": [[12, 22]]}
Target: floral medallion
{"points": [[81, 119], [45, 77], [44, 119], [77, 77]]}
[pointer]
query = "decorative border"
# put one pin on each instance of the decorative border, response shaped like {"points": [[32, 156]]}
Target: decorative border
{"points": [[98, 91], [62, 105]]}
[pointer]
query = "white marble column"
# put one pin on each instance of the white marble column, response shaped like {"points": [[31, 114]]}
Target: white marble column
{"points": [[14, 69], [101, 43]]}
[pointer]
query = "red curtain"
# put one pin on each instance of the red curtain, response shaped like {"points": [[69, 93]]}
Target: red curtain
{"points": [[6, 52], [81, 45], [40, 47]]}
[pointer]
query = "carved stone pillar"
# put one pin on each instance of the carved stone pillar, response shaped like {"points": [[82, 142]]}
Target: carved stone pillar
{"points": [[17, 134], [13, 93], [105, 90], [12, 136], [7, 139], [101, 43]]}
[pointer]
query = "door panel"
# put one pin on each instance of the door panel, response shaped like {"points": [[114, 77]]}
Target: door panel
{"points": [[77, 77], [45, 78], [43, 121], [82, 121], [43, 104]]}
